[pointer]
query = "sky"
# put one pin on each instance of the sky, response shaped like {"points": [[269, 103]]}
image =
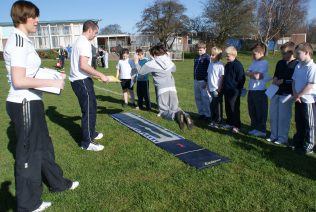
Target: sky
{"points": [[126, 13]]}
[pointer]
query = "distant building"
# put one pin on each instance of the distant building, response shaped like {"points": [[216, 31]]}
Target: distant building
{"points": [[50, 34]]}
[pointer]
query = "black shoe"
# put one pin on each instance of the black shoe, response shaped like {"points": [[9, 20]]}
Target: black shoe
{"points": [[202, 117], [135, 106], [188, 121], [179, 118]]}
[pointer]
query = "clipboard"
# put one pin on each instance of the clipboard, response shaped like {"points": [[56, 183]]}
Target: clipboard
{"points": [[46, 73], [272, 90]]}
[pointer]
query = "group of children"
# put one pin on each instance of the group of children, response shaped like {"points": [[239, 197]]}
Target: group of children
{"points": [[294, 78]]}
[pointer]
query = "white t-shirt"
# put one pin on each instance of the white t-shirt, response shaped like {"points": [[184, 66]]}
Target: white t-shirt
{"points": [[20, 52], [304, 74], [260, 66], [81, 47], [214, 72], [125, 68]]}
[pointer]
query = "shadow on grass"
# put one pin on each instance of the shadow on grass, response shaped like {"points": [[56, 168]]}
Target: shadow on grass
{"points": [[67, 122], [104, 110], [7, 200], [154, 107], [280, 155]]}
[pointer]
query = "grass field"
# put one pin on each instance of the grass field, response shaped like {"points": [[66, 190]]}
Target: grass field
{"points": [[132, 174]]}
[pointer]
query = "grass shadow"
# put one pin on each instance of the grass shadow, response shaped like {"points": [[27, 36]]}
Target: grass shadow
{"points": [[7, 200], [67, 122], [104, 110], [280, 155]]}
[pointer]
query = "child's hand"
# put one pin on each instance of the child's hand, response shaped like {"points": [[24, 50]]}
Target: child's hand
{"points": [[136, 58]]}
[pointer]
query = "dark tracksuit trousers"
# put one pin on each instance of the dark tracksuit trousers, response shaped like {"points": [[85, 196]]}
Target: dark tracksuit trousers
{"points": [[84, 91], [216, 108], [305, 125], [232, 108], [143, 94], [258, 109], [34, 159]]}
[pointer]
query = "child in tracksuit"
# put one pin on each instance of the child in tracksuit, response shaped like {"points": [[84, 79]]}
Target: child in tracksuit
{"points": [[214, 85], [142, 83], [201, 63], [304, 92], [233, 83], [161, 68], [281, 110], [257, 99]]}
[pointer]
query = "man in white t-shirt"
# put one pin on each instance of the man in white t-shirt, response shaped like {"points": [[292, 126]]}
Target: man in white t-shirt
{"points": [[304, 92], [81, 72]]}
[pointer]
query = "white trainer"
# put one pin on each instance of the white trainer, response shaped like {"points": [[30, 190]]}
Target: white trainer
{"points": [[280, 142], [43, 206], [99, 136], [74, 185], [94, 147]]}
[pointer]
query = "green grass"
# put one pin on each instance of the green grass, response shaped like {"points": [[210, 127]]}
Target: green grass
{"points": [[132, 174]]}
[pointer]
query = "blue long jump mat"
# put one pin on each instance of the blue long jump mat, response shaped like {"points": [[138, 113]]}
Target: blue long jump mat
{"points": [[185, 150]]}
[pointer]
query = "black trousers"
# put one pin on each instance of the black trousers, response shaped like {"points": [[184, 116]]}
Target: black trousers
{"points": [[102, 62], [216, 108], [232, 108], [305, 125], [258, 109], [84, 91], [35, 158], [143, 94]]}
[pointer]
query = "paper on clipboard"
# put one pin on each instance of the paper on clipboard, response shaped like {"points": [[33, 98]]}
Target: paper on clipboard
{"points": [[46, 73], [271, 91]]}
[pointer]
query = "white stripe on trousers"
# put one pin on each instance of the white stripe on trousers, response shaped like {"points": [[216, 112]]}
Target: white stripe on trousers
{"points": [[311, 123]]}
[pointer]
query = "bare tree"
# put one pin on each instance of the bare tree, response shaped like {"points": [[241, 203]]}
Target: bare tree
{"points": [[229, 18], [276, 18], [311, 33], [164, 19], [111, 29]]}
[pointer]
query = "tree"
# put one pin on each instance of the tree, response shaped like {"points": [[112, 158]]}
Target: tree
{"points": [[164, 19], [111, 29], [229, 18], [311, 33], [276, 18]]}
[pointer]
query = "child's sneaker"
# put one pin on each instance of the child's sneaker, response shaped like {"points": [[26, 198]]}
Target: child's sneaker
{"points": [[259, 134], [99, 136], [227, 126], [235, 130], [271, 139], [188, 121], [74, 185], [280, 142], [43, 206], [179, 118], [252, 132], [135, 106], [94, 147]]}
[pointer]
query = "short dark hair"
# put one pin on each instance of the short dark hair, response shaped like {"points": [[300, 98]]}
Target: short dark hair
{"points": [[22, 10], [288, 47], [89, 25], [158, 50], [139, 51], [124, 51]]}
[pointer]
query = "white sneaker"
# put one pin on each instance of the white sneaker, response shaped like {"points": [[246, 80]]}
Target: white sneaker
{"points": [[74, 185], [280, 142], [94, 147], [270, 139], [43, 206], [259, 134], [252, 132], [99, 136], [227, 126]]}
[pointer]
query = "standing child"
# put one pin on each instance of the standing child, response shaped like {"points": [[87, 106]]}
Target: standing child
{"points": [[304, 92], [257, 99], [161, 68], [233, 83], [280, 111], [142, 83], [106, 59], [201, 63], [215, 79], [124, 72]]}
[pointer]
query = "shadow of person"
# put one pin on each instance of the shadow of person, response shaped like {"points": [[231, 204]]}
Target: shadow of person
{"points": [[104, 110], [280, 155], [67, 122], [11, 138], [154, 107], [7, 200]]}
